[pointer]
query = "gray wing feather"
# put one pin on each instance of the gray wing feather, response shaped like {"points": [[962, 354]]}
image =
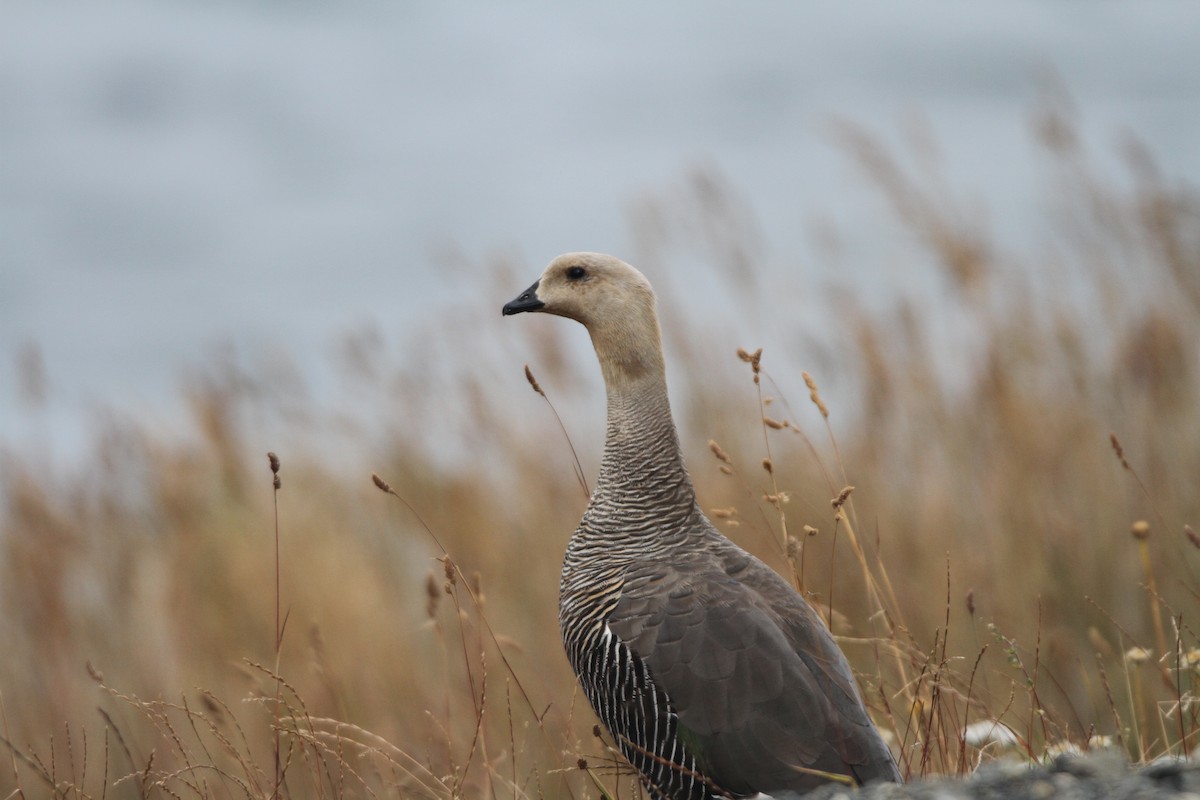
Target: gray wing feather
{"points": [[751, 671]]}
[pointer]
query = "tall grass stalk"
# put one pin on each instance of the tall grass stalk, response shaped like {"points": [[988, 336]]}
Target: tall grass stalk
{"points": [[277, 632]]}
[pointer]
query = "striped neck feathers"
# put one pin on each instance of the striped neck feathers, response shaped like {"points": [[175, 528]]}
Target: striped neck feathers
{"points": [[642, 462]]}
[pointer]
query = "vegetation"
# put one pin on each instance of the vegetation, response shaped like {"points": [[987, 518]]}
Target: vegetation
{"points": [[985, 485]]}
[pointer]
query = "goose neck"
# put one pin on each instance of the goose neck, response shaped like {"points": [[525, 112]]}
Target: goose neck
{"points": [[642, 462]]}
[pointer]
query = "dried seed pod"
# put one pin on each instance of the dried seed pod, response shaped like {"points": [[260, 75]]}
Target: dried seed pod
{"points": [[533, 381], [843, 495], [814, 395]]}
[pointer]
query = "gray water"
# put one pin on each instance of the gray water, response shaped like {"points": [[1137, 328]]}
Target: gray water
{"points": [[176, 175]]}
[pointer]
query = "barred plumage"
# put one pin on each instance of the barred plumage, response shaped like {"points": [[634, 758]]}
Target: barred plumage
{"points": [[715, 678]]}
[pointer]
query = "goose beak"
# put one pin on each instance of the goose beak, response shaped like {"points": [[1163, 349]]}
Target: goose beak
{"points": [[526, 301]]}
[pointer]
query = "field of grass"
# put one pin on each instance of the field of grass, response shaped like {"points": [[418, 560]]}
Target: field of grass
{"points": [[1022, 435]]}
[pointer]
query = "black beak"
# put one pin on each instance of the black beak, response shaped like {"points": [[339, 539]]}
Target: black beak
{"points": [[526, 301]]}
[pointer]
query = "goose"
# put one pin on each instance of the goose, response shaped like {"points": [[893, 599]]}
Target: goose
{"points": [[715, 678]]}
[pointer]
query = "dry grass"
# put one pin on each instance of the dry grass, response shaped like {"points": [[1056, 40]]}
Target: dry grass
{"points": [[993, 524]]}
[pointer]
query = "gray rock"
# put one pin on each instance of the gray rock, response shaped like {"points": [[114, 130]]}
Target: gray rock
{"points": [[1104, 774]]}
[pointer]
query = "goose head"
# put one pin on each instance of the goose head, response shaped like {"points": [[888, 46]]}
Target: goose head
{"points": [[590, 288], [611, 299]]}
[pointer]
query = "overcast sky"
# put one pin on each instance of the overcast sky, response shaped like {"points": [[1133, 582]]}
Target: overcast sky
{"points": [[178, 174]]}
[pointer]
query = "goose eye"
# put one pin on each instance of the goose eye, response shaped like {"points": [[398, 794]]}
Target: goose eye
{"points": [[576, 273]]}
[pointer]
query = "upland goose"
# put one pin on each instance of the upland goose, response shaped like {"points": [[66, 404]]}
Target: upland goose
{"points": [[713, 675]]}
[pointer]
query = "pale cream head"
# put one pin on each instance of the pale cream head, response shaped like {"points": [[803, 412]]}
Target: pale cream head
{"points": [[614, 302], [592, 287]]}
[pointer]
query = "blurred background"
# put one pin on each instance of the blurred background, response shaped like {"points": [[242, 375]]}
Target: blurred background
{"points": [[178, 177], [233, 228]]}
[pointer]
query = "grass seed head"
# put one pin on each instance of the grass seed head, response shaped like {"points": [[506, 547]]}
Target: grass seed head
{"points": [[843, 495], [777, 499], [814, 395], [1120, 451], [768, 466], [718, 452], [273, 460], [1140, 530], [533, 381], [753, 359], [774, 423]]}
